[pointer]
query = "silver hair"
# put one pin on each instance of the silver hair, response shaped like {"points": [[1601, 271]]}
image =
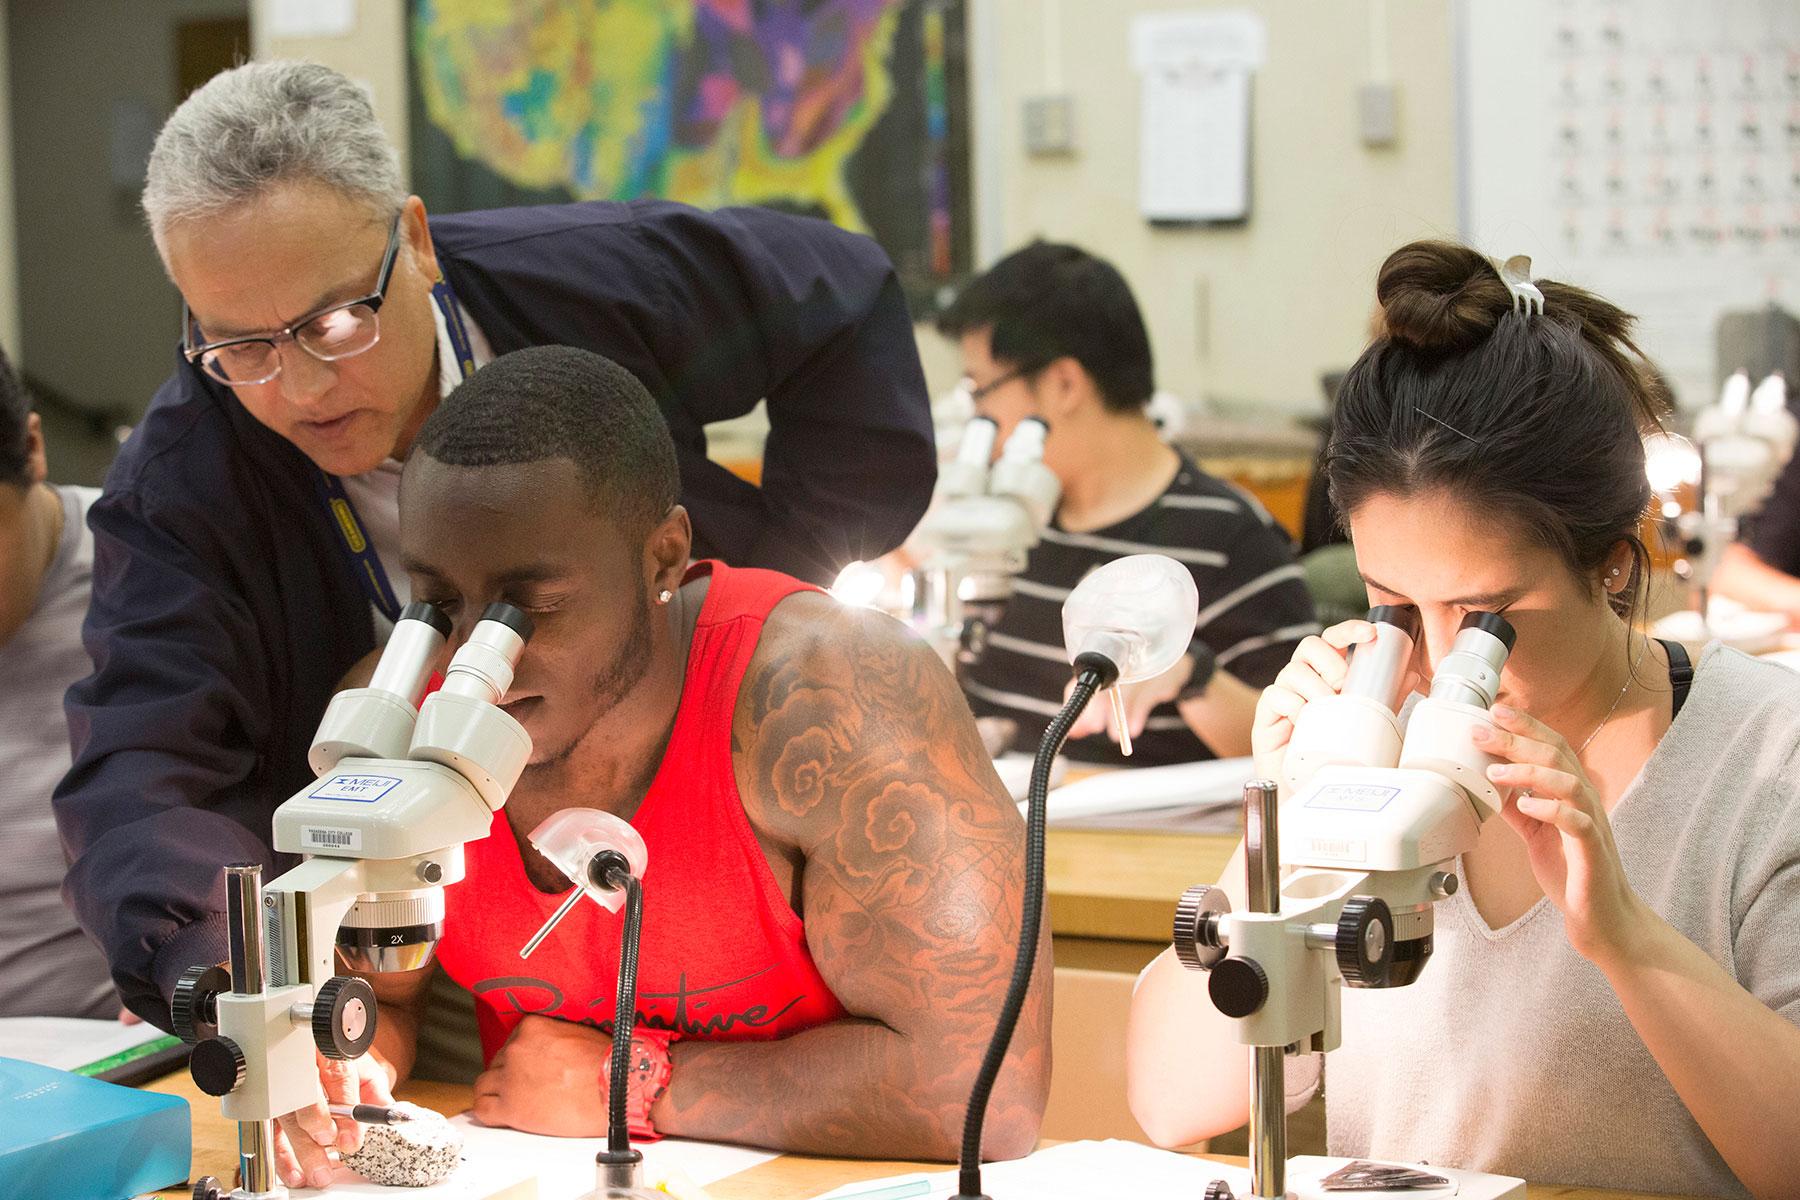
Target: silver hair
{"points": [[262, 124]]}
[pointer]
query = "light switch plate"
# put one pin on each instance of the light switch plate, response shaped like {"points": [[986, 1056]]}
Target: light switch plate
{"points": [[1050, 125], [1378, 114]]}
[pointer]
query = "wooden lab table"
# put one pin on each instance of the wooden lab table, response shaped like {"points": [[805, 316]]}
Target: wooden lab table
{"points": [[1123, 884], [790, 1177]]}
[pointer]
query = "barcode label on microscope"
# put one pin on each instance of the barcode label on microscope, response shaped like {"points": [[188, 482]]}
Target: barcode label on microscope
{"points": [[314, 838]]}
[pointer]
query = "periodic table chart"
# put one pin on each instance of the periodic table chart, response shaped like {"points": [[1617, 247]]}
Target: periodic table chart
{"points": [[1646, 149]]}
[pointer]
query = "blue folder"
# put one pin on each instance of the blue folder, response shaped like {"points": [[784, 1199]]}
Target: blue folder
{"points": [[64, 1135]]}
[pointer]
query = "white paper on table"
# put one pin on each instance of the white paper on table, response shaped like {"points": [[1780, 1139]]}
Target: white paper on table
{"points": [[554, 1168], [1213, 783], [565, 1166], [1014, 770], [69, 1042], [473, 1180], [1084, 1170], [1080, 1171]]}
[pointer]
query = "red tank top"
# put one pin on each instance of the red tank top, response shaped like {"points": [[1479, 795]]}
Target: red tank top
{"points": [[723, 954]]}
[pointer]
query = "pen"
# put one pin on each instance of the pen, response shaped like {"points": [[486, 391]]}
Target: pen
{"points": [[370, 1114]]}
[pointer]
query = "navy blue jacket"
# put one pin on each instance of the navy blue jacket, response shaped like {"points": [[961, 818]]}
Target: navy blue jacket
{"points": [[225, 610]]}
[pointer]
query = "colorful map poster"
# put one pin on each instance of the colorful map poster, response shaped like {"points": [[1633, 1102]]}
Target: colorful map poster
{"points": [[851, 110]]}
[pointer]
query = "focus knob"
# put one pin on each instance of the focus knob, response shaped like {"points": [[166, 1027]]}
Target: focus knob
{"points": [[1196, 935], [208, 1187], [1219, 1189], [343, 1017], [193, 1009], [1365, 942], [217, 1066], [1238, 987]]}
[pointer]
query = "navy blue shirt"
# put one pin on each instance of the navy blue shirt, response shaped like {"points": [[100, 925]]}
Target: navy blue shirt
{"points": [[225, 611]]}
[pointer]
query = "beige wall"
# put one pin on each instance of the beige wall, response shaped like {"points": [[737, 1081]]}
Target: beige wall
{"points": [[99, 317], [1253, 313], [373, 54], [1245, 315]]}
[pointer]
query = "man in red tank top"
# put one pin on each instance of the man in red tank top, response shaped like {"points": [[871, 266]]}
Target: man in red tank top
{"points": [[835, 872]]}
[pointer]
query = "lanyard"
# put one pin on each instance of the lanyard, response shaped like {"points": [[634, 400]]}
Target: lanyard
{"points": [[355, 542]]}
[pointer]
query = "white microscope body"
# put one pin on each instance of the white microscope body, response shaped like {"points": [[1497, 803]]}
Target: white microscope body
{"points": [[401, 788], [1368, 835], [981, 526], [1740, 446]]}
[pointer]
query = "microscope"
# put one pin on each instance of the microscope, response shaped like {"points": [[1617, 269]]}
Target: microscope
{"points": [[1739, 447], [401, 787], [982, 523], [1369, 834]]}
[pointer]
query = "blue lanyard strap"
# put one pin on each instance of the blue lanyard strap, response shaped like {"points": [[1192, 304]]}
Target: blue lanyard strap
{"points": [[355, 541], [453, 324], [356, 544]]}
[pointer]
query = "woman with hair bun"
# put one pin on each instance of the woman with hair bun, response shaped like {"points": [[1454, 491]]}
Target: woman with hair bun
{"points": [[1614, 995]]}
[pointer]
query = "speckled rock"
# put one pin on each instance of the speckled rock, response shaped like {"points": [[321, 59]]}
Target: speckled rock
{"points": [[415, 1153]]}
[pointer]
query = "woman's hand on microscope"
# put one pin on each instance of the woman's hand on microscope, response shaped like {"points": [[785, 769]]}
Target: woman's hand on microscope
{"points": [[306, 1139], [1315, 672], [1558, 814], [547, 1079]]}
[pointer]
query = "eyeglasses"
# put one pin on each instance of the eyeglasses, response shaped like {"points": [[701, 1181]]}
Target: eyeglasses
{"points": [[341, 331], [976, 394]]}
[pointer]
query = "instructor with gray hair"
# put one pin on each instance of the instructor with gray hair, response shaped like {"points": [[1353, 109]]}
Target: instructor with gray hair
{"points": [[246, 544]]}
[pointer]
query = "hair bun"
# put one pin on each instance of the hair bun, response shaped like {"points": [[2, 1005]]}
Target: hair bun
{"points": [[1440, 296]]}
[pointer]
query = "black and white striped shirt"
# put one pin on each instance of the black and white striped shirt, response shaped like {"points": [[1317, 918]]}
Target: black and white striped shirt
{"points": [[1254, 608]]}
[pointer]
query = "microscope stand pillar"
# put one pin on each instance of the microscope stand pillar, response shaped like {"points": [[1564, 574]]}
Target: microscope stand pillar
{"points": [[243, 908], [1268, 1125], [1268, 1096]]}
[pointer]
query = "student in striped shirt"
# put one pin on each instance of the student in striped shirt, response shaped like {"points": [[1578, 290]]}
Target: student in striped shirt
{"points": [[1053, 332]]}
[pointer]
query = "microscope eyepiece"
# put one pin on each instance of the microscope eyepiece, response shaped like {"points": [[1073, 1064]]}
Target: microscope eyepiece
{"points": [[431, 614], [1378, 668], [977, 445], [1403, 617], [514, 619], [1470, 673], [483, 668], [1492, 623], [405, 665]]}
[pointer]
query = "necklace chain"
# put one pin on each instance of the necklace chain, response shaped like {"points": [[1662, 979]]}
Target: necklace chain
{"points": [[1616, 699]]}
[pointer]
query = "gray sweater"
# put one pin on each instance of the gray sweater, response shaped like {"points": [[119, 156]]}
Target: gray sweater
{"points": [[1512, 1054], [48, 967]]}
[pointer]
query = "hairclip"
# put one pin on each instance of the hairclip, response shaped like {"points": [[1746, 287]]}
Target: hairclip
{"points": [[1447, 425], [1515, 273]]}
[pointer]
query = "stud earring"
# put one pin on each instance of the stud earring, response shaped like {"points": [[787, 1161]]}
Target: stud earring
{"points": [[664, 596]]}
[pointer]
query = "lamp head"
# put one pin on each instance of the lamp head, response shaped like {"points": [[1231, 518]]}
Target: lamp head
{"points": [[1136, 612]]}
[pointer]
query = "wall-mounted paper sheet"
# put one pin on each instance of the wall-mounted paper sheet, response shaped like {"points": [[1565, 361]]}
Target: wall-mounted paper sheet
{"points": [[1194, 124]]}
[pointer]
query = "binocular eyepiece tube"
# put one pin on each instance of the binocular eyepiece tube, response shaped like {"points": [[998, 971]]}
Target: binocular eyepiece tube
{"points": [[405, 665], [483, 668], [1470, 673], [1378, 668]]}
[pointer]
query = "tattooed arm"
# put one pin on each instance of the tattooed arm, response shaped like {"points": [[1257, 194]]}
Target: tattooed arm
{"points": [[856, 755]]}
